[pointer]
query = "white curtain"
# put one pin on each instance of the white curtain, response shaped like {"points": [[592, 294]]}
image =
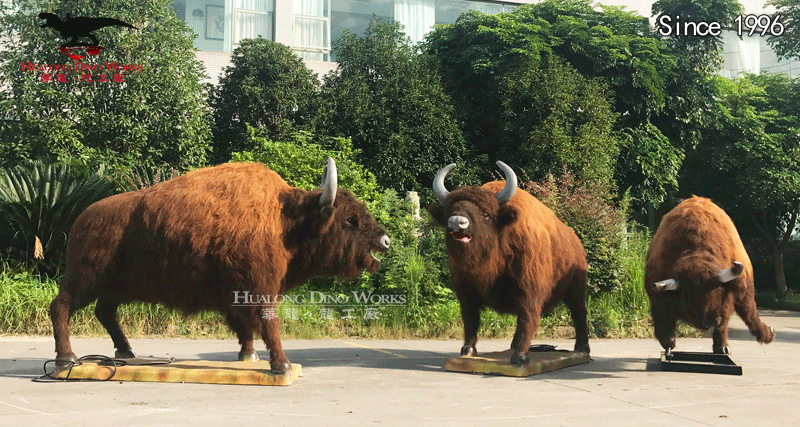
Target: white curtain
{"points": [[740, 55], [249, 19], [309, 33], [417, 16], [749, 54]]}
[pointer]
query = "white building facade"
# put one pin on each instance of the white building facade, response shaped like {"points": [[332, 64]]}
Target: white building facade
{"points": [[310, 26]]}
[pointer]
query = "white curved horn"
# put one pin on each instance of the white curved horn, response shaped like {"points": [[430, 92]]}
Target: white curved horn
{"points": [[666, 285], [330, 183], [729, 274], [439, 189], [511, 184]]}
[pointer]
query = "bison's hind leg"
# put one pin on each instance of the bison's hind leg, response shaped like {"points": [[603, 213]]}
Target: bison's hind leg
{"points": [[61, 309], [747, 310], [575, 300], [270, 333], [106, 312], [244, 331]]}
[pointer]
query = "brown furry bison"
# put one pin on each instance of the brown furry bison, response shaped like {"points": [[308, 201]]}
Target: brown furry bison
{"points": [[698, 271], [509, 252], [195, 241]]}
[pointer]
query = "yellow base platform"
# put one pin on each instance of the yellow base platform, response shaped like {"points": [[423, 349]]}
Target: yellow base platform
{"points": [[498, 363], [187, 371]]}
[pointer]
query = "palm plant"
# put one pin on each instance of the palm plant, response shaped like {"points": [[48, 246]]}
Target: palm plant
{"points": [[38, 204], [141, 177]]}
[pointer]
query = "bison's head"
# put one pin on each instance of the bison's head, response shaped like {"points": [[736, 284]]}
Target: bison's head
{"points": [[700, 285], [338, 233], [474, 217]]}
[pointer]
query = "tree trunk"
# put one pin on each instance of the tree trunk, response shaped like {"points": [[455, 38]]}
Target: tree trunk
{"points": [[778, 247], [781, 290]]}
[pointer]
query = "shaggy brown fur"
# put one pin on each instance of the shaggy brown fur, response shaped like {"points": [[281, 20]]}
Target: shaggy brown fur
{"points": [[190, 242], [521, 260], [694, 242]]}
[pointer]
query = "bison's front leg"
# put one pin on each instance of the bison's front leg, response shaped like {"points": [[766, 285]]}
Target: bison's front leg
{"points": [[471, 316], [664, 323], [527, 324], [270, 333]]}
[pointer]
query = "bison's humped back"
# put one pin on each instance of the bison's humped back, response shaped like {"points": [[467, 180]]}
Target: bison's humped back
{"points": [[187, 242], [550, 247], [697, 225]]}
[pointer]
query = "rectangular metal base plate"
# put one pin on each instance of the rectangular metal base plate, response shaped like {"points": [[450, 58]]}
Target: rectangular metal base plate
{"points": [[187, 371], [710, 363], [499, 363]]}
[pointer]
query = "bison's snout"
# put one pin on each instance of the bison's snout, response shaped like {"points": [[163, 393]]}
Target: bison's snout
{"points": [[458, 223]]}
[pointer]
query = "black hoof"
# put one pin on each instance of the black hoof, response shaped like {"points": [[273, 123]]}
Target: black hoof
{"points": [[468, 351], [722, 350], [248, 357], [66, 360], [124, 354], [582, 348], [280, 368], [519, 359]]}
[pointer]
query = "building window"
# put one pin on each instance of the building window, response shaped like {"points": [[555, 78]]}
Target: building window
{"points": [[250, 19], [319, 22], [221, 24], [311, 29]]}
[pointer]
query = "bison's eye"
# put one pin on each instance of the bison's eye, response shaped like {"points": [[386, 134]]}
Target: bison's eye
{"points": [[352, 221], [486, 216]]}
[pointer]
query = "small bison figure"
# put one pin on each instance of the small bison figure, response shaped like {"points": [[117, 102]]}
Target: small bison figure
{"points": [[205, 239], [509, 252], [698, 271]]}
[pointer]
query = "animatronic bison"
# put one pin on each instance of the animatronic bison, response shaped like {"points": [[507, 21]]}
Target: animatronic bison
{"points": [[197, 241], [698, 271], [509, 252]]}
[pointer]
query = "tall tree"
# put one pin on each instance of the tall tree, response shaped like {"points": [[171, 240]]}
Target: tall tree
{"points": [[389, 100], [267, 86], [750, 160], [690, 92], [787, 44], [152, 110], [482, 56]]}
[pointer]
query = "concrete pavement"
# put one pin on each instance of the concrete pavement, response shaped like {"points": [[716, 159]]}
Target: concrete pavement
{"points": [[353, 382]]}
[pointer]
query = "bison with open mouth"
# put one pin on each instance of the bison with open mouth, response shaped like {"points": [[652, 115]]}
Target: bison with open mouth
{"points": [[507, 251], [196, 241], [698, 271]]}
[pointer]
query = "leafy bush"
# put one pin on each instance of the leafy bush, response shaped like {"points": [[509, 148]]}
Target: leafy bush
{"points": [[299, 161], [587, 208], [38, 205]]}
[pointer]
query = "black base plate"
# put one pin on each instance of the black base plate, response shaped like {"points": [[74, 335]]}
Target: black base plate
{"points": [[709, 363]]}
